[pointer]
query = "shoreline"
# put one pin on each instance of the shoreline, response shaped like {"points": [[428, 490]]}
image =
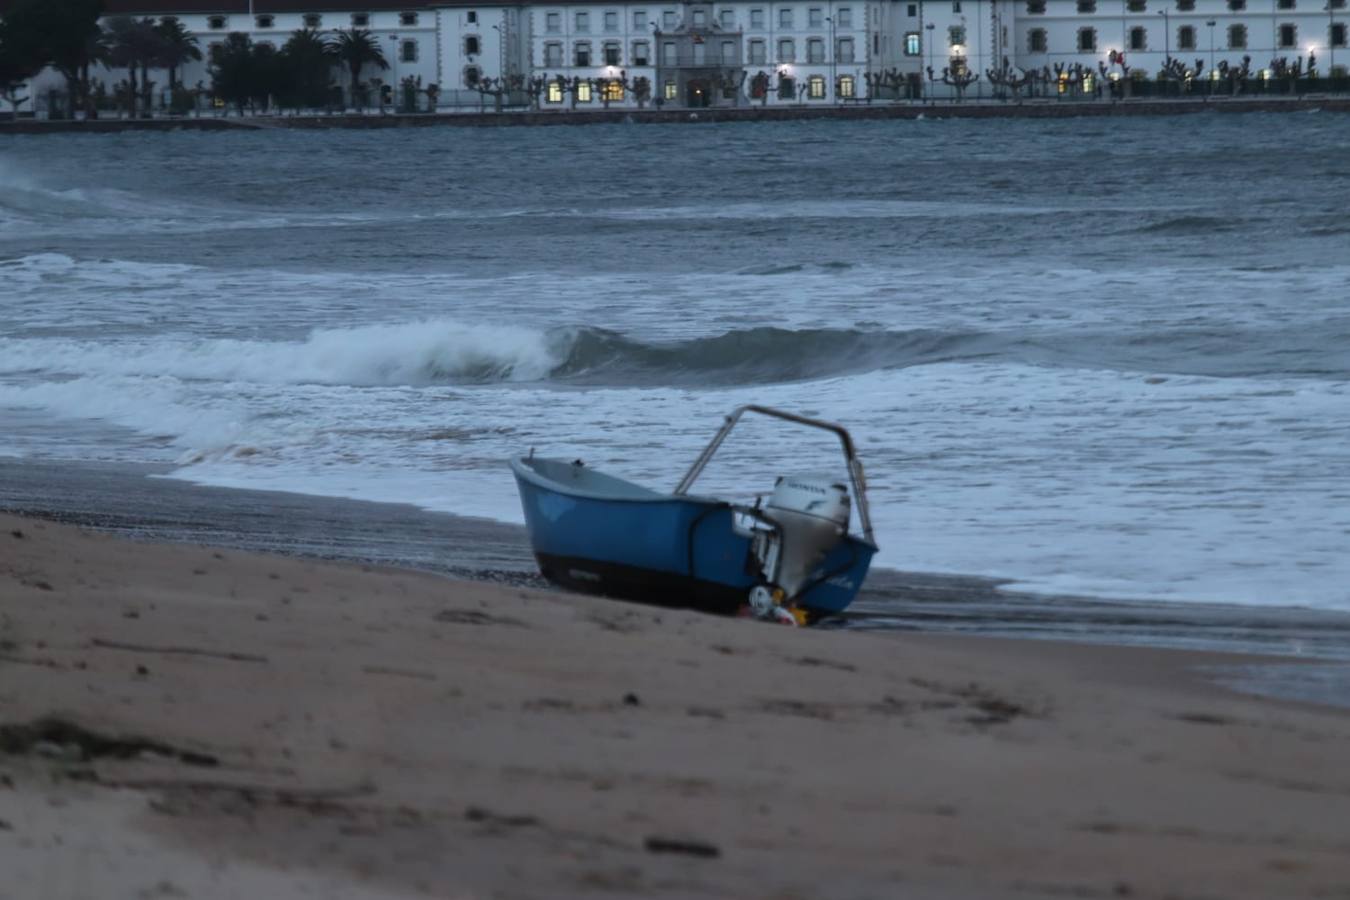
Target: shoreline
{"points": [[128, 500], [972, 109], [228, 721]]}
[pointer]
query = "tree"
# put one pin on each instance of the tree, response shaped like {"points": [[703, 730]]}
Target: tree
{"points": [[306, 67], [21, 58], [233, 70], [136, 44], [356, 49], [61, 33], [179, 46]]}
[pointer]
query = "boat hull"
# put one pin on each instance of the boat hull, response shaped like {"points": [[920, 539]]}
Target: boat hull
{"points": [[601, 535]]}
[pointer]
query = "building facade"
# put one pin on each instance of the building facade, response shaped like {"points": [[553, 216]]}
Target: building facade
{"points": [[701, 53]]}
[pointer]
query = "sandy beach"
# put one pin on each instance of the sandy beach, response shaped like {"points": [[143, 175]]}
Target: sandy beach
{"points": [[180, 721]]}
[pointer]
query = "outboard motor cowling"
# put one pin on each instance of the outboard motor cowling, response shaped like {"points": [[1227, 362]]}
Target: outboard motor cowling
{"points": [[812, 514]]}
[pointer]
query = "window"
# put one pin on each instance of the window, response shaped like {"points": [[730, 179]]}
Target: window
{"points": [[642, 53], [815, 50], [1288, 35], [407, 19], [407, 51], [1237, 5], [1337, 4], [669, 19], [729, 53], [1185, 5], [815, 87], [913, 45], [1138, 38], [785, 17], [1337, 35], [727, 18], [847, 87], [1036, 42], [583, 90], [1186, 37], [757, 54], [313, 20], [786, 51], [756, 18], [217, 23], [264, 21], [611, 20], [359, 20], [815, 17], [912, 10], [956, 6], [956, 35], [700, 53], [555, 92], [1036, 7], [472, 46], [700, 17], [472, 17], [612, 90], [1237, 37], [1087, 40], [1137, 5], [639, 19], [1285, 4], [670, 91], [668, 56], [583, 21], [844, 51], [1087, 6], [787, 88], [553, 55], [613, 53], [553, 23], [581, 54], [843, 17]]}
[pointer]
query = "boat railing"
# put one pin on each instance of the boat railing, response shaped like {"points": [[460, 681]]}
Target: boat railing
{"points": [[855, 467]]}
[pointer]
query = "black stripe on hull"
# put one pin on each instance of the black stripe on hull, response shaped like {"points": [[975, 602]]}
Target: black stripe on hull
{"points": [[589, 576]]}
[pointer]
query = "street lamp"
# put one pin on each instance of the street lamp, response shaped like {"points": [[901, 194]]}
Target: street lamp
{"points": [[834, 49], [395, 92], [930, 26], [1210, 23], [1331, 38], [1167, 37]]}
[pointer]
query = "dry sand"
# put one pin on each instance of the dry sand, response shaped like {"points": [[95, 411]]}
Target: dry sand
{"points": [[185, 722]]}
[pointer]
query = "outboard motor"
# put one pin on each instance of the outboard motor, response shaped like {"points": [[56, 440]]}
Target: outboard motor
{"points": [[811, 514]]}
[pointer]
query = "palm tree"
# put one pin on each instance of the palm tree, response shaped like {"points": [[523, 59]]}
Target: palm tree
{"points": [[136, 45], [307, 61], [356, 49], [64, 35], [180, 47]]}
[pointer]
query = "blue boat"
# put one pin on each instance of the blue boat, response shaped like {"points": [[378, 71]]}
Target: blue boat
{"points": [[788, 557]]}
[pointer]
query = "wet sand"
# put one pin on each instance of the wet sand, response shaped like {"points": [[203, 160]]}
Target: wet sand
{"points": [[178, 720]]}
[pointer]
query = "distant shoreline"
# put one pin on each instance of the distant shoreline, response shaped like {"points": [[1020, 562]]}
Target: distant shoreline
{"points": [[975, 109]]}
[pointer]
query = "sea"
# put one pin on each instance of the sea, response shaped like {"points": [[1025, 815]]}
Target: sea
{"points": [[1106, 357]]}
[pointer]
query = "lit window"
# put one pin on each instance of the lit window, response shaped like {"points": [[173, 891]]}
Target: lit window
{"points": [[553, 23], [913, 44], [217, 23], [1036, 40], [847, 87], [613, 90], [359, 20], [264, 21], [611, 20], [407, 51], [815, 17], [1087, 40], [583, 21], [785, 17], [815, 50], [407, 19], [671, 92], [843, 17], [756, 18], [815, 87], [786, 51], [757, 55], [584, 92], [844, 52], [555, 92], [1237, 37], [313, 20]]}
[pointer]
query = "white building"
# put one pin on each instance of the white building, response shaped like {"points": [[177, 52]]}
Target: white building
{"points": [[693, 53]]}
